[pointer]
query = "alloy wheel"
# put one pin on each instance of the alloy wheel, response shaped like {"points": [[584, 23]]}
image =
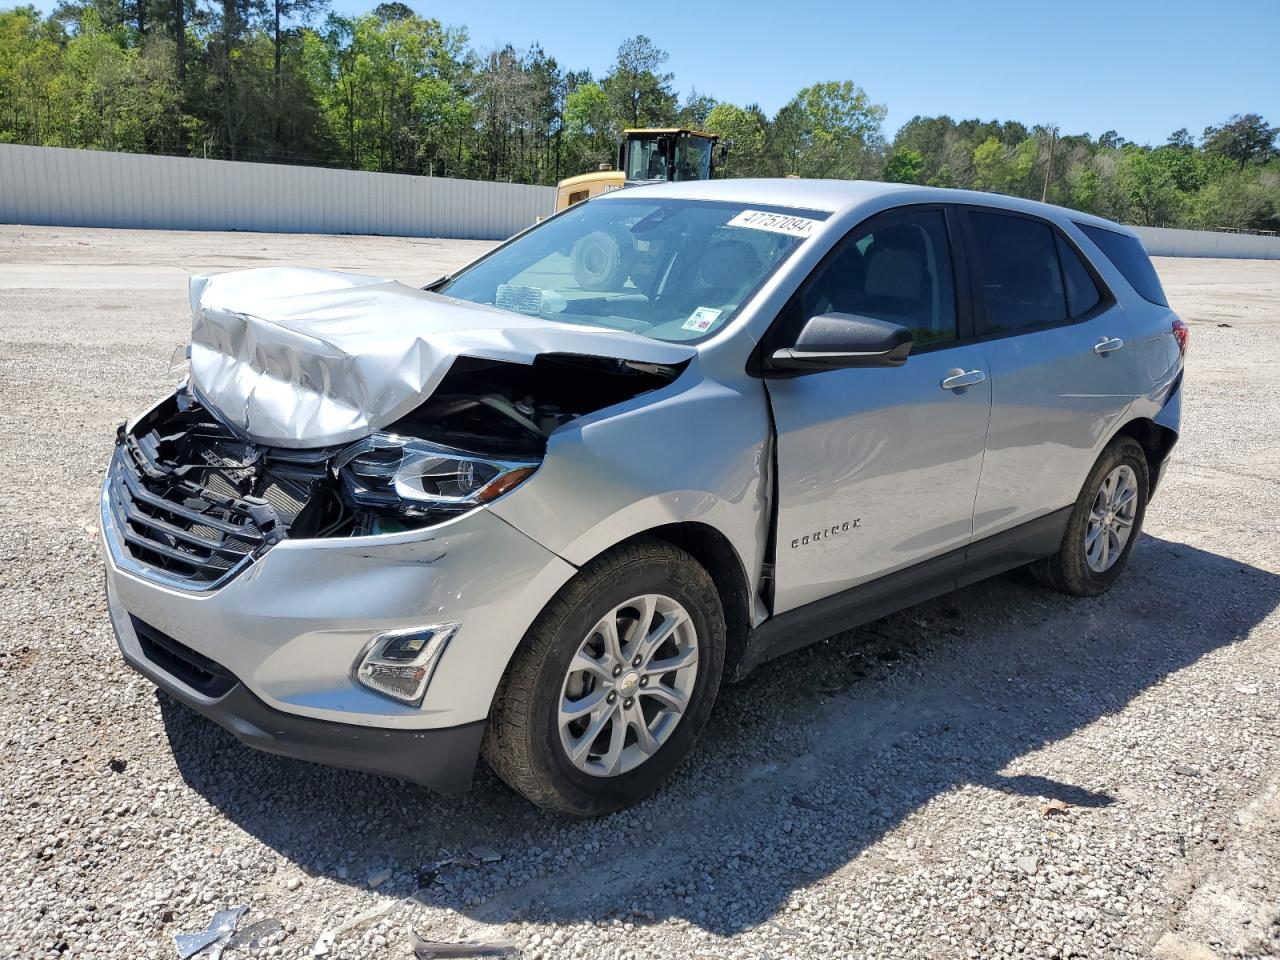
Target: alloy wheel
{"points": [[1111, 519], [628, 685]]}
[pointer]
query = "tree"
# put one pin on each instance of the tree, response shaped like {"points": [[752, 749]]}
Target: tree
{"points": [[282, 11], [695, 110], [31, 68], [1240, 200], [640, 95], [904, 166], [236, 85], [742, 132], [1111, 141], [549, 87], [990, 165], [1150, 188], [1244, 139], [590, 129], [828, 130], [505, 108], [928, 137]]}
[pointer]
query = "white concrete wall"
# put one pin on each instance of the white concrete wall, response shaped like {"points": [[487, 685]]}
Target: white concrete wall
{"points": [[1169, 242], [89, 188]]}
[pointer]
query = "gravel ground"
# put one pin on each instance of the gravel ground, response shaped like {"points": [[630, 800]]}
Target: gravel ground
{"points": [[1000, 772]]}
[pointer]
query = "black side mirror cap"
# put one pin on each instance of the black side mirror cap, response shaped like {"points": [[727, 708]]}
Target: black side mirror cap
{"points": [[833, 341]]}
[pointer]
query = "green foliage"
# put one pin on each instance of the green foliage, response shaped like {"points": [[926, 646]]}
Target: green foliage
{"points": [[1238, 200], [281, 81], [1176, 184], [827, 130], [1149, 183], [638, 93], [742, 131], [590, 127], [904, 166], [1243, 139]]}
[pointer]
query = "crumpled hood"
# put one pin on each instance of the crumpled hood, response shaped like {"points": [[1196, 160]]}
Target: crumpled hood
{"points": [[307, 358]]}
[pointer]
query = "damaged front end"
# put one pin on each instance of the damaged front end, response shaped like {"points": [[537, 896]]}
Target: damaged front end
{"points": [[193, 500]]}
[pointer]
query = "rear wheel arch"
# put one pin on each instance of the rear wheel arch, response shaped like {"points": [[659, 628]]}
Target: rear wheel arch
{"points": [[1156, 441]]}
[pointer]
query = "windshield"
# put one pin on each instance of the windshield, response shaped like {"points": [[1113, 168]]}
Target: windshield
{"points": [[676, 270], [693, 158]]}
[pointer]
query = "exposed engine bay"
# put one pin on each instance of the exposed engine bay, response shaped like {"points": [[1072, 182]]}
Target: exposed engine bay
{"points": [[197, 499]]}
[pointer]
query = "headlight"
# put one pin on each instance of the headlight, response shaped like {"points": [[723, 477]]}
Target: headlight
{"points": [[400, 664], [414, 478]]}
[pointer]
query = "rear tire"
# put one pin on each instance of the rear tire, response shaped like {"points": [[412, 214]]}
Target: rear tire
{"points": [[558, 763], [1104, 524]]}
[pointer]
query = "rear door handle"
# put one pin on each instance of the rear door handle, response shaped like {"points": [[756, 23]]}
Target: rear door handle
{"points": [[1107, 344], [958, 379]]}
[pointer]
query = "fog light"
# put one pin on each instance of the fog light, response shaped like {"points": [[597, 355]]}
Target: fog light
{"points": [[399, 664]]}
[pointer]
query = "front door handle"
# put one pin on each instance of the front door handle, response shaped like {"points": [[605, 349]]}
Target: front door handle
{"points": [[1107, 344], [958, 379]]}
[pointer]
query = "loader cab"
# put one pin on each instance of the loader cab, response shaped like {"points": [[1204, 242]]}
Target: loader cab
{"points": [[660, 156], [645, 156]]}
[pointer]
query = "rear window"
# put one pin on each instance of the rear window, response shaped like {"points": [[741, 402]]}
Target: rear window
{"points": [[1130, 259]]}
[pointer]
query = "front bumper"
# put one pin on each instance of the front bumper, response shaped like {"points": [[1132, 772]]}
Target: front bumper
{"points": [[289, 628], [443, 759]]}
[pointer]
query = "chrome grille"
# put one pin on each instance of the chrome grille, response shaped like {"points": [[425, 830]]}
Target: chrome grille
{"points": [[197, 533]]}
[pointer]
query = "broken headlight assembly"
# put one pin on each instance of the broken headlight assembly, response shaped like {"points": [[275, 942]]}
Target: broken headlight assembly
{"points": [[403, 481]]}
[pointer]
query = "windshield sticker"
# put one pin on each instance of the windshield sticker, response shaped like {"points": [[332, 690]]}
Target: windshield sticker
{"points": [[702, 319], [775, 223]]}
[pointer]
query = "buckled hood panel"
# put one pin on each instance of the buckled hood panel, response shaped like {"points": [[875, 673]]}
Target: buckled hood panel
{"points": [[306, 358]]}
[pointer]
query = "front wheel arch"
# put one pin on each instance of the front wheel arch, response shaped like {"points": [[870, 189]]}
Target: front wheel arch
{"points": [[713, 550], [527, 753]]}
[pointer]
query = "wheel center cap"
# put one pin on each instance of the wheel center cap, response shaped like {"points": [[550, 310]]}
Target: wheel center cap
{"points": [[629, 684]]}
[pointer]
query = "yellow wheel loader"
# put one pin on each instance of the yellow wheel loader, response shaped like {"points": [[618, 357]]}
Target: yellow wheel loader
{"points": [[653, 155], [605, 260]]}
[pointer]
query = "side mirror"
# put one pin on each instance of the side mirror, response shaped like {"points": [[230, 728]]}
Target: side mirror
{"points": [[835, 341]]}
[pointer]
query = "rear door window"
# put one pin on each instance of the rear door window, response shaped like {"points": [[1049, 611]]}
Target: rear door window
{"points": [[1130, 258], [1017, 261]]}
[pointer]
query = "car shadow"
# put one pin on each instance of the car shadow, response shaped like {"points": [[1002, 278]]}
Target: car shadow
{"points": [[805, 764]]}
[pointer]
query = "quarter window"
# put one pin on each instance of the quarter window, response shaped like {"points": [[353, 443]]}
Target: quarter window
{"points": [[895, 268], [1082, 292], [1021, 279]]}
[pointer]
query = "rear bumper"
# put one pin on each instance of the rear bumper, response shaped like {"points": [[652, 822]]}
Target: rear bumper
{"points": [[441, 758], [1169, 416]]}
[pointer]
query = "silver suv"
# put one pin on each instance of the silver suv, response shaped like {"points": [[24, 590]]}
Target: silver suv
{"points": [[542, 508]]}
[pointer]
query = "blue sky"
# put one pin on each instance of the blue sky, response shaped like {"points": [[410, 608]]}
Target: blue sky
{"points": [[1141, 68]]}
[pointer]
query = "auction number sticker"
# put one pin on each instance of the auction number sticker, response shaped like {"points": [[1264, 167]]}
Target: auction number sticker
{"points": [[702, 319], [775, 223]]}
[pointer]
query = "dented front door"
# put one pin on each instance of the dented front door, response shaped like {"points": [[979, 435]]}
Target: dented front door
{"points": [[878, 467]]}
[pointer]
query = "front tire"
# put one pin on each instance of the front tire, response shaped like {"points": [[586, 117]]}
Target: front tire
{"points": [[1104, 524], [613, 683], [599, 262]]}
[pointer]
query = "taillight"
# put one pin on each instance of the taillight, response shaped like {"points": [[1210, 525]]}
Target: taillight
{"points": [[1182, 334]]}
